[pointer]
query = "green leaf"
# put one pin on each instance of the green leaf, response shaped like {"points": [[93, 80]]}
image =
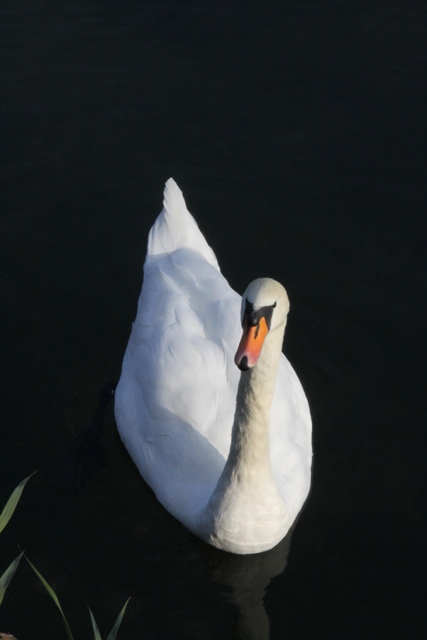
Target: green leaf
{"points": [[114, 630], [8, 575], [96, 634], [53, 596], [10, 507], [118, 622]]}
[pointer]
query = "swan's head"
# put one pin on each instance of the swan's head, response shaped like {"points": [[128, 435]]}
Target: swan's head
{"points": [[265, 307]]}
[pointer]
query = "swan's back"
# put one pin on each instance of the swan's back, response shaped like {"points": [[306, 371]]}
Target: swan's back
{"points": [[176, 397]]}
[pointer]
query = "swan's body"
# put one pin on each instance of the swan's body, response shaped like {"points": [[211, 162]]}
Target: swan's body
{"points": [[175, 403]]}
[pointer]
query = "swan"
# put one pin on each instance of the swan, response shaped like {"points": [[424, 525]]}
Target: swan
{"points": [[225, 448]]}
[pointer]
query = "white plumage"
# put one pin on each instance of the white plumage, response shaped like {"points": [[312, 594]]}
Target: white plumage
{"points": [[176, 398]]}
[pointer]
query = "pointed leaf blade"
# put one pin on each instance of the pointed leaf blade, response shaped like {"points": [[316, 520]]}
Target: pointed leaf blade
{"points": [[10, 506], [53, 596], [113, 633], [96, 634], [8, 575]]}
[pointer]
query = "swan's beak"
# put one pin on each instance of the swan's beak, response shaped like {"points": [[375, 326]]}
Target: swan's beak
{"points": [[250, 345]]}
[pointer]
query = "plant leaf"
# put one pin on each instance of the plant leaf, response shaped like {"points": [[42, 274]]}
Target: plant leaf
{"points": [[53, 596], [96, 634], [113, 633], [8, 575], [10, 506]]}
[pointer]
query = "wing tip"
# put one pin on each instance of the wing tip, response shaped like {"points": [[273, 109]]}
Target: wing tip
{"points": [[172, 196], [176, 228]]}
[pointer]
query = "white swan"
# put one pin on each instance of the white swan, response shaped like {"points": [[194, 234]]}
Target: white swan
{"points": [[236, 473]]}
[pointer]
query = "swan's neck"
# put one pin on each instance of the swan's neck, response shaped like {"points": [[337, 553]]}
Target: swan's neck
{"points": [[249, 451], [246, 490]]}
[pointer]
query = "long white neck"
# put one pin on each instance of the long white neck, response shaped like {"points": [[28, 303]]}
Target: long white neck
{"points": [[246, 490], [249, 452]]}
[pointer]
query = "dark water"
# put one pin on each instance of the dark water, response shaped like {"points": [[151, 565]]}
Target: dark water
{"points": [[297, 131]]}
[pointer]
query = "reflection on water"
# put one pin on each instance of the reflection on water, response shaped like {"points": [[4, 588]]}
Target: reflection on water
{"points": [[245, 579], [86, 455]]}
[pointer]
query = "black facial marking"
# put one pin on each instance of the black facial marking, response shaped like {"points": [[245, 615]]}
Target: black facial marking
{"points": [[254, 317]]}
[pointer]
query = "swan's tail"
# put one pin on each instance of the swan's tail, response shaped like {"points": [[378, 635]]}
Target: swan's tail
{"points": [[176, 228]]}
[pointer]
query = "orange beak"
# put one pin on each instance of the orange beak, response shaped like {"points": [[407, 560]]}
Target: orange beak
{"points": [[250, 345]]}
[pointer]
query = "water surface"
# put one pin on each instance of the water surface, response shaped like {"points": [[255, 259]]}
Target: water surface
{"points": [[297, 133]]}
